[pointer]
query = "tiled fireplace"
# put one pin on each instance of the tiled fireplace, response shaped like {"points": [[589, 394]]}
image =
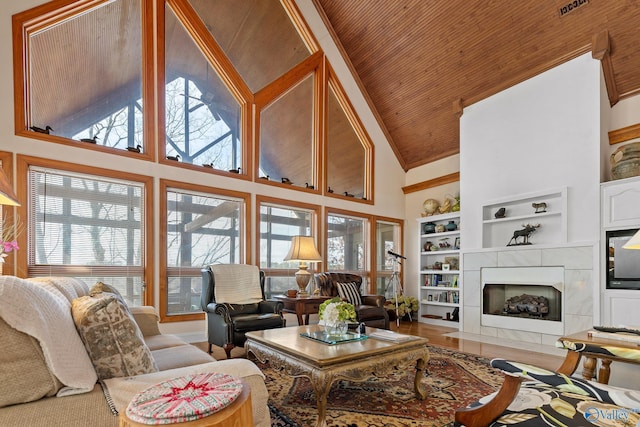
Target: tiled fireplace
{"points": [[557, 284], [523, 298]]}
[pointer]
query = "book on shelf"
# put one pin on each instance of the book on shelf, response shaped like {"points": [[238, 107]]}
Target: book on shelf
{"points": [[448, 296]]}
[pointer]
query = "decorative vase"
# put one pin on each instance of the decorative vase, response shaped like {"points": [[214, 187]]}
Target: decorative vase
{"points": [[440, 228], [452, 226], [428, 228], [430, 206], [338, 328]]}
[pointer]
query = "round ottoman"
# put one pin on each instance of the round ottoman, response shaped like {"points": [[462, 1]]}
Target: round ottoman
{"points": [[200, 400]]}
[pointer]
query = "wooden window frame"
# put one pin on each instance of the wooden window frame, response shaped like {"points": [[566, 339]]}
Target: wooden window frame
{"points": [[313, 65], [213, 53], [366, 273], [23, 165], [370, 273], [315, 226], [367, 144], [245, 256], [374, 260], [52, 13]]}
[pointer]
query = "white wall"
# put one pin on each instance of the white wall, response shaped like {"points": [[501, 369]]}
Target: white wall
{"points": [[541, 134], [389, 176]]}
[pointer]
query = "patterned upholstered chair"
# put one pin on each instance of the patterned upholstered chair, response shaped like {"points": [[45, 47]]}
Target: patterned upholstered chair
{"points": [[531, 396], [233, 298], [369, 308]]}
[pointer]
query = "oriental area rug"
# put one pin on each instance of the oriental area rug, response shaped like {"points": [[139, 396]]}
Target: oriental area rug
{"points": [[453, 380]]}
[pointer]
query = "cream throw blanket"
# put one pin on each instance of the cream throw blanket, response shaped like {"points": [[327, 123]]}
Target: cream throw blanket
{"points": [[42, 311], [237, 283]]}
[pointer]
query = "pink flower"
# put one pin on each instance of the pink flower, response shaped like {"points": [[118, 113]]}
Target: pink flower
{"points": [[10, 246]]}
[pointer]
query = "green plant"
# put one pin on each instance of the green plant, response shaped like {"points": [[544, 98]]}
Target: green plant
{"points": [[335, 310], [406, 304]]}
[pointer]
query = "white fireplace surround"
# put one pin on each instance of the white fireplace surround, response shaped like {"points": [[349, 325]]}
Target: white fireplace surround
{"points": [[527, 276], [575, 261]]}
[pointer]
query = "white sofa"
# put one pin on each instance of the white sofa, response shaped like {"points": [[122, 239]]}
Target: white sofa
{"points": [[47, 377]]}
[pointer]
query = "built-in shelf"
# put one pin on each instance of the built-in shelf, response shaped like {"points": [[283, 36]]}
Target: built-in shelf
{"points": [[519, 211], [443, 272], [441, 305], [522, 217]]}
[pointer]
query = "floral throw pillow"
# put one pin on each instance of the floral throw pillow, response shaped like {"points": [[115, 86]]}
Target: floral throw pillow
{"points": [[349, 291], [111, 336], [100, 287]]}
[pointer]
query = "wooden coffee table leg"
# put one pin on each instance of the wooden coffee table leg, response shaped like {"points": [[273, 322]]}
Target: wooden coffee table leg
{"points": [[321, 383], [417, 382]]}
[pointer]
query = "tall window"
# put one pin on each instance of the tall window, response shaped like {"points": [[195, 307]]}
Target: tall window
{"points": [[202, 117], [201, 228], [347, 243], [388, 237], [278, 224], [95, 54], [90, 227], [349, 149]]}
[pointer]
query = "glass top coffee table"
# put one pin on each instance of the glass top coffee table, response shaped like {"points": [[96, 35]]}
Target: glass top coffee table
{"points": [[322, 363]]}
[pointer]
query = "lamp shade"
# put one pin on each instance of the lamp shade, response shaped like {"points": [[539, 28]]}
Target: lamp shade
{"points": [[7, 196], [634, 242], [303, 249]]}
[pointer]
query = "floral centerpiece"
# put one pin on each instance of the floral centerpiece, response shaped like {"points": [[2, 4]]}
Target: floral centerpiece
{"points": [[8, 238], [406, 305], [335, 314]]}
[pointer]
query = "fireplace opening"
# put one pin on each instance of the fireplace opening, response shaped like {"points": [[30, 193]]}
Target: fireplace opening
{"points": [[522, 301]]}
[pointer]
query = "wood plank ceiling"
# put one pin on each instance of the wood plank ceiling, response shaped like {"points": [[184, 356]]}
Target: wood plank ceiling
{"points": [[421, 61]]}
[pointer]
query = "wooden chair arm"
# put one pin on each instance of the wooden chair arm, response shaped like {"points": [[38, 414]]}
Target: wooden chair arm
{"points": [[482, 416], [570, 363]]}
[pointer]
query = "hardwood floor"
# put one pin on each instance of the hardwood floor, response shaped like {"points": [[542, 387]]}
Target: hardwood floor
{"points": [[436, 336]]}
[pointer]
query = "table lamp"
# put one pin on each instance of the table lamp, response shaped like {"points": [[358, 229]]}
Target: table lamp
{"points": [[303, 249], [634, 242], [7, 196]]}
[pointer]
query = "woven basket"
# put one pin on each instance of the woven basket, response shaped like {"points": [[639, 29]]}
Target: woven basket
{"points": [[625, 161]]}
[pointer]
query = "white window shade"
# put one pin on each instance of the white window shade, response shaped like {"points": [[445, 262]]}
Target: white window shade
{"points": [[87, 226]]}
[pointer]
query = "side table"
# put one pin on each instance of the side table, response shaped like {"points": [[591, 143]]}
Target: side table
{"points": [[593, 346], [237, 414], [301, 306]]}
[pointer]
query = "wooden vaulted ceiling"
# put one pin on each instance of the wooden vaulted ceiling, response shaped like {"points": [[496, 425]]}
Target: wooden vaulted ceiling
{"points": [[420, 62]]}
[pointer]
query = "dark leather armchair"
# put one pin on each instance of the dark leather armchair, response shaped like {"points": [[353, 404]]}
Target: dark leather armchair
{"points": [[372, 311], [237, 306]]}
